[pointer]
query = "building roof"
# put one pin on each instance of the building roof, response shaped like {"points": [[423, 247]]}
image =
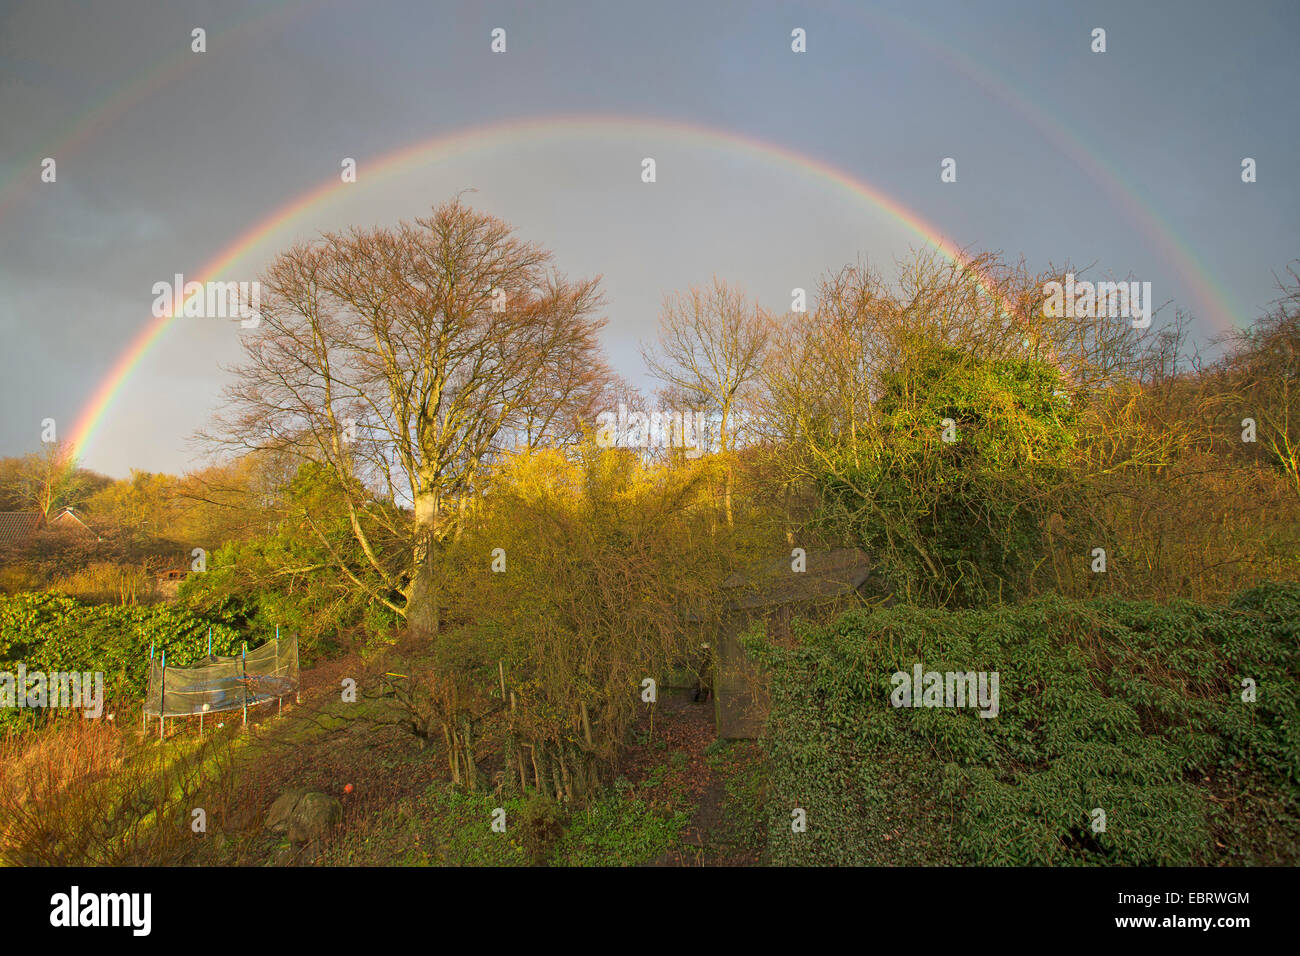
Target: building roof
{"points": [[67, 518], [827, 575], [17, 526]]}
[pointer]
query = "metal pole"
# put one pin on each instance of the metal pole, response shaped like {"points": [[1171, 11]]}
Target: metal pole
{"points": [[162, 698], [144, 711], [209, 655]]}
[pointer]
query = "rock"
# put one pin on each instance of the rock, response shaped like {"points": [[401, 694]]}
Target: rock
{"points": [[314, 816], [277, 818], [306, 814]]}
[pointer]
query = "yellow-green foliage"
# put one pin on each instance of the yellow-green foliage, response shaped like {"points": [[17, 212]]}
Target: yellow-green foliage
{"points": [[599, 558]]}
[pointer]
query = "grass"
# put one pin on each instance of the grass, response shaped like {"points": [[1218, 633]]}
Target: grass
{"points": [[402, 810], [448, 827], [619, 831]]}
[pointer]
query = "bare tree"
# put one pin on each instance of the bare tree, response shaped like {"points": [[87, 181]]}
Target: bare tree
{"points": [[1264, 368], [47, 481], [402, 360], [710, 349]]}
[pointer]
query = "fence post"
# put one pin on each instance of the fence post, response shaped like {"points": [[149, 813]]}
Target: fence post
{"points": [[144, 711], [209, 655], [162, 698], [245, 683]]}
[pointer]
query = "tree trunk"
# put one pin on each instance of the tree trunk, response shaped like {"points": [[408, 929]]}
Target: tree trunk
{"points": [[586, 723], [564, 776], [724, 453], [452, 762], [422, 591], [471, 766], [728, 481], [422, 603], [543, 765]]}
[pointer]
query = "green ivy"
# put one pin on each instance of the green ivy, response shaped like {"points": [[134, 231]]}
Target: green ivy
{"points": [[1132, 707], [959, 522], [52, 632]]}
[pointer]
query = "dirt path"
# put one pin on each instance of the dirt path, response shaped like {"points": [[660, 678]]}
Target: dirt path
{"points": [[674, 765]]}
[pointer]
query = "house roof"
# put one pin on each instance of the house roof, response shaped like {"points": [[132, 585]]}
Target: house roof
{"points": [[17, 526], [68, 518], [826, 576]]}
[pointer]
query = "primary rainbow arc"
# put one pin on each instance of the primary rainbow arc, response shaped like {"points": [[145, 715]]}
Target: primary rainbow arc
{"points": [[478, 138]]}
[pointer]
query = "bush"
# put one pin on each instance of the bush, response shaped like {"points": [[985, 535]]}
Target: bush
{"points": [[955, 516], [243, 589], [1132, 707], [106, 583], [90, 793]]}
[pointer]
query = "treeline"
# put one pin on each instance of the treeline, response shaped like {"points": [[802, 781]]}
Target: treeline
{"points": [[420, 452]]}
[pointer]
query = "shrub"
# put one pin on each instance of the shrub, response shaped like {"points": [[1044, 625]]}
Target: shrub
{"points": [[107, 583], [89, 793], [955, 516]]}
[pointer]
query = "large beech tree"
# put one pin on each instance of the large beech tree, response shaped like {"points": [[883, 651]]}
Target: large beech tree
{"points": [[403, 360]]}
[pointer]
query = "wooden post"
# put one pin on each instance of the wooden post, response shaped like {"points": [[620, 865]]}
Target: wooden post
{"points": [[245, 682], [502, 671]]}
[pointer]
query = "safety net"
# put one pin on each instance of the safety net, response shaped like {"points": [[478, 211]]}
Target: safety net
{"points": [[224, 683]]}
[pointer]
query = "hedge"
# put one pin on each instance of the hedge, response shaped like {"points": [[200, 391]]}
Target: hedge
{"points": [[51, 632]]}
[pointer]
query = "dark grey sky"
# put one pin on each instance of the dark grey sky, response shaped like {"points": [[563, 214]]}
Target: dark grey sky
{"points": [[1129, 160]]}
